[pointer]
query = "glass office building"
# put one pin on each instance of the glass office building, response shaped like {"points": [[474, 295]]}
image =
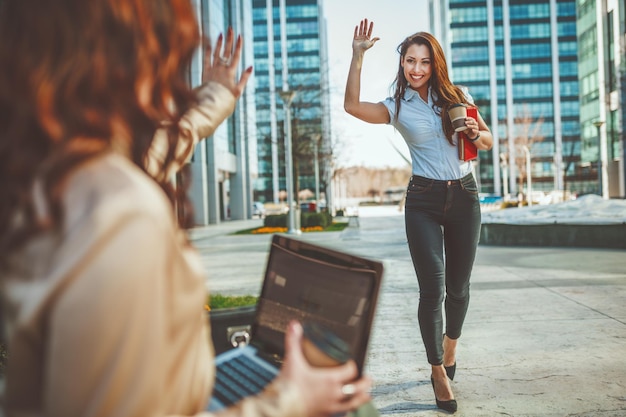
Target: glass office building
{"points": [[224, 165], [290, 55], [602, 71], [519, 59]]}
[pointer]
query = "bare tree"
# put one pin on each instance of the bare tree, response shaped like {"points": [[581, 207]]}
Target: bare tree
{"points": [[528, 133], [569, 161]]}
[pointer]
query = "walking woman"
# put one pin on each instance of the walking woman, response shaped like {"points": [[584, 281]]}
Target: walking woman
{"points": [[102, 290], [442, 212]]}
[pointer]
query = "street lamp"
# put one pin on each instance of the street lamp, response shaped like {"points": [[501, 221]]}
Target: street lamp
{"points": [[505, 176], [316, 144], [529, 196], [603, 174], [292, 226]]}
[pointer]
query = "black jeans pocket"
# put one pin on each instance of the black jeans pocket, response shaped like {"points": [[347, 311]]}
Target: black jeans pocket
{"points": [[419, 185], [468, 183]]}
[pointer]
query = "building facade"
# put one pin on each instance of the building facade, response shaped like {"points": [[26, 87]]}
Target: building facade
{"points": [[290, 55], [525, 64], [602, 37], [224, 166]]}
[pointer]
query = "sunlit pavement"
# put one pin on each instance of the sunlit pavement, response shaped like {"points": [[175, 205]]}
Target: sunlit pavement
{"points": [[545, 334]]}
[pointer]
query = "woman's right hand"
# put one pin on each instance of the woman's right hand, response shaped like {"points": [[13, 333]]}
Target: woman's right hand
{"points": [[221, 65], [322, 389], [363, 37]]}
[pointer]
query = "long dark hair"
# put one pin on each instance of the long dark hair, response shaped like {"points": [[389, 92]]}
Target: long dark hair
{"points": [[445, 93], [75, 74]]}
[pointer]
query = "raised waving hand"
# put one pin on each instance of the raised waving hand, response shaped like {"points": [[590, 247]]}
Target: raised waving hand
{"points": [[221, 65], [363, 36]]}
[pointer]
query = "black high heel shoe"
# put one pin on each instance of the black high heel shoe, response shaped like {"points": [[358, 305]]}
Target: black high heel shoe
{"points": [[450, 371], [449, 405]]}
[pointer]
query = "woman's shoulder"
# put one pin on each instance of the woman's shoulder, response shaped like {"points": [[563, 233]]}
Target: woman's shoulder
{"points": [[111, 186]]}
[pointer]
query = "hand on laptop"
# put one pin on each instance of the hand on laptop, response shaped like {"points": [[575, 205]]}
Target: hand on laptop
{"points": [[325, 391]]}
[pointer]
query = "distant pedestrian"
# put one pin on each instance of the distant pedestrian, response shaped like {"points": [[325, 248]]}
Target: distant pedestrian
{"points": [[102, 291], [442, 211]]}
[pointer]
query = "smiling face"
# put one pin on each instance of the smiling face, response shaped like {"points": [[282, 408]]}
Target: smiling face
{"points": [[417, 68]]}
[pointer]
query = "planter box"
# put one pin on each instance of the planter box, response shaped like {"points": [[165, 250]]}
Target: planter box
{"points": [[609, 236]]}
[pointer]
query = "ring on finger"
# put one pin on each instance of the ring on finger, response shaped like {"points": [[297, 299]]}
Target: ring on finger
{"points": [[224, 61], [348, 390]]}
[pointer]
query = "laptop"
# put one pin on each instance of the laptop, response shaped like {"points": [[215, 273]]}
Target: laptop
{"points": [[309, 283]]}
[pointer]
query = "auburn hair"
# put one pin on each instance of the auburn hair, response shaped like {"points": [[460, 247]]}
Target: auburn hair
{"points": [[75, 74], [443, 91]]}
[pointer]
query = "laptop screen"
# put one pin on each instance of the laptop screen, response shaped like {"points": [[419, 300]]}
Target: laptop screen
{"points": [[317, 285]]}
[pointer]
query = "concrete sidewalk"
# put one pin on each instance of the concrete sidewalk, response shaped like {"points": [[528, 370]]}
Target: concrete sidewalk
{"points": [[545, 333]]}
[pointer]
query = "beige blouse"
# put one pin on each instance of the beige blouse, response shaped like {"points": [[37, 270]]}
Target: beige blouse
{"points": [[106, 318]]}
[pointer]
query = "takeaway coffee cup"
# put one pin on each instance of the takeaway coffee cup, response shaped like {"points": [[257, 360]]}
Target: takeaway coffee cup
{"points": [[458, 113]]}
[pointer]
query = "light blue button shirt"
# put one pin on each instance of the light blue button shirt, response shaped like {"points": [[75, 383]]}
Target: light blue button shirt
{"points": [[432, 156]]}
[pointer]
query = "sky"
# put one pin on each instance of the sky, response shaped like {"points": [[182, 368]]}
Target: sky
{"points": [[360, 143]]}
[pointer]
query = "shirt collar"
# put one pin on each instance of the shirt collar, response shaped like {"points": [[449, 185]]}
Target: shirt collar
{"points": [[410, 94]]}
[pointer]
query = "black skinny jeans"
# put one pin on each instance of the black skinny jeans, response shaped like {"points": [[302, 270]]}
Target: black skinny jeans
{"points": [[442, 216]]}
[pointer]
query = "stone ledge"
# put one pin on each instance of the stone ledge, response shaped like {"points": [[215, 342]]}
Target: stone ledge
{"points": [[568, 235]]}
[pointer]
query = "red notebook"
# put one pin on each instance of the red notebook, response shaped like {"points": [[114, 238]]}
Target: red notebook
{"points": [[467, 150]]}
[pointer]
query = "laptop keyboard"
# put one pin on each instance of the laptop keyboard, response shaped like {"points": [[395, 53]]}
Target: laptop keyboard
{"points": [[239, 378]]}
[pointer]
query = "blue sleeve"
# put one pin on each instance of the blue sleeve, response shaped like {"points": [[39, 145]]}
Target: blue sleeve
{"points": [[391, 108]]}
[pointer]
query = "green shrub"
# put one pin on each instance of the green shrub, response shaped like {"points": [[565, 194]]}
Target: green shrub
{"points": [[323, 220], [315, 219], [275, 220], [216, 301]]}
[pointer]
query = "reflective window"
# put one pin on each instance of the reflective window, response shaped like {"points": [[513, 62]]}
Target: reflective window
{"points": [[534, 70], [566, 28], [530, 11], [302, 45], [587, 44], [530, 31], [568, 48], [299, 28], [469, 34], [570, 108], [571, 128], [310, 61], [304, 78], [535, 109], [480, 93], [566, 9], [302, 11], [468, 14], [589, 83], [467, 74], [260, 49], [499, 53], [258, 15], [529, 91], [470, 54], [497, 14], [569, 88], [535, 50], [568, 68], [260, 31], [542, 149], [262, 82]]}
